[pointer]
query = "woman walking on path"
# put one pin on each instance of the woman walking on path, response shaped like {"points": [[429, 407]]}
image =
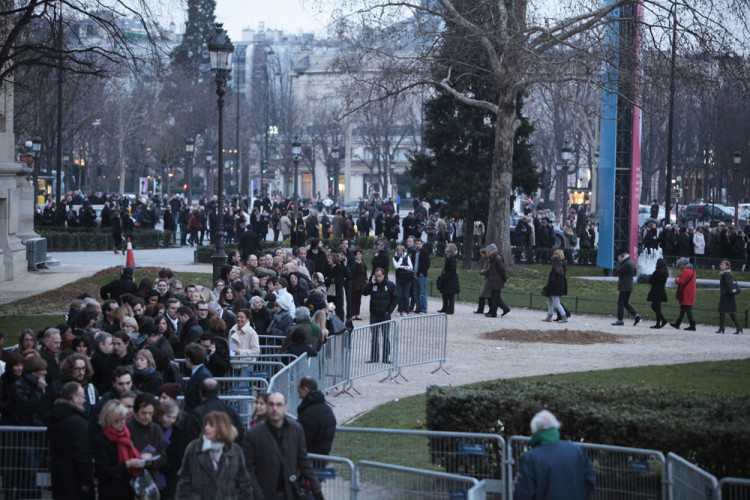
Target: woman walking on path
{"points": [[485, 293], [449, 285], [685, 293], [727, 304], [556, 285], [561, 255], [657, 294]]}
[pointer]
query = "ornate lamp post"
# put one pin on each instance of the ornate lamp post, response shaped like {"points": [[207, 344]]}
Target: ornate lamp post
{"points": [[35, 146], [334, 174], [737, 157], [565, 154], [220, 50], [296, 157], [189, 149]]}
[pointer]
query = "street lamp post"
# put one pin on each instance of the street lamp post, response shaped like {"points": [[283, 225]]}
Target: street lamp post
{"points": [[565, 154], [189, 149], [220, 51], [296, 157], [737, 157], [35, 146], [209, 161], [334, 175]]}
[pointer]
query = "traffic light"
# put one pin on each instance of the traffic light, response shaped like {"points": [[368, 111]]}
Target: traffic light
{"points": [[184, 187], [265, 166]]}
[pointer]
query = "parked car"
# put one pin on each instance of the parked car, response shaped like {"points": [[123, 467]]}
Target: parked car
{"points": [[711, 213]]}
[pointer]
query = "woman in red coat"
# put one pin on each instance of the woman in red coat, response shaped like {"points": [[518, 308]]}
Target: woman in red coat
{"points": [[685, 292]]}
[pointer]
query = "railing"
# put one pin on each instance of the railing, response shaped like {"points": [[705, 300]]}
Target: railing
{"points": [[688, 481], [378, 480], [24, 461], [734, 488], [421, 340], [337, 476]]}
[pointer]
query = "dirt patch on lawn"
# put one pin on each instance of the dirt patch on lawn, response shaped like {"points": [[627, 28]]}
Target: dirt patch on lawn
{"points": [[554, 337]]}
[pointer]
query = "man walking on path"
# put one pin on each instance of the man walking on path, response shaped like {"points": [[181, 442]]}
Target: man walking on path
{"points": [[625, 270], [553, 468]]}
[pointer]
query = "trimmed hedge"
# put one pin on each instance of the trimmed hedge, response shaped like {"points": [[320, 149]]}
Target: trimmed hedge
{"points": [[74, 239], [710, 430]]}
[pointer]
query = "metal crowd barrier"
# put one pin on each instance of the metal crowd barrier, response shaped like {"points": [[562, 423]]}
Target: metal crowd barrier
{"points": [[734, 488], [378, 480], [336, 362], [620, 472], [24, 462], [243, 405], [371, 351], [239, 386], [421, 340], [468, 454], [688, 481], [285, 381], [336, 476]]}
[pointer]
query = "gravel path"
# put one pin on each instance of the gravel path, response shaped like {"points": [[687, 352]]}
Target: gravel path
{"points": [[472, 359]]}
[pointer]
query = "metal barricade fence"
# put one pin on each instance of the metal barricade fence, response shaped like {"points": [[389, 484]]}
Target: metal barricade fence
{"points": [[264, 365], [335, 356], [378, 481], [24, 462], [240, 386], [285, 381], [477, 455], [421, 340], [688, 481], [336, 475], [627, 473], [734, 488], [370, 351], [243, 405]]}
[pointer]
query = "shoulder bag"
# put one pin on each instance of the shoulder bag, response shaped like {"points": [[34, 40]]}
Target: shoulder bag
{"points": [[299, 486]]}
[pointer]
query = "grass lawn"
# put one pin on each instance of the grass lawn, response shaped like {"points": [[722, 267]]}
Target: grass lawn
{"points": [[712, 377]]}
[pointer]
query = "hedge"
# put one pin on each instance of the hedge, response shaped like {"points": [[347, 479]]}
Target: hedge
{"points": [[77, 240], [710, 430]]}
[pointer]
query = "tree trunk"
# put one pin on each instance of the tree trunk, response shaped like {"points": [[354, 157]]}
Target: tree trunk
{"points": [[501, 184]]}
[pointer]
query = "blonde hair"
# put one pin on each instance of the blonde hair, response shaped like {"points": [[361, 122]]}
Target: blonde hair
{"points": [[146, 354], [226, 432], [559, 253], [451, 250], [319, 318], [112, 411]]}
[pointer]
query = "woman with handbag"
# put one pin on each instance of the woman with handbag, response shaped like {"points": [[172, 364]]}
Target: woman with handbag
{"points": [[449, 285], [685, 293], [728, 288], [485, 293], [213, 465], [555, 287], [404, 279]]}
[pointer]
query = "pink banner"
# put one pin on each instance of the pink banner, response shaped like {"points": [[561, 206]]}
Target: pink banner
{"points": [[636, 180]]}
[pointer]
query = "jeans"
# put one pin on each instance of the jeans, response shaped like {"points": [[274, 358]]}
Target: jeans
{"points": [[421, 285], [404, 292], [623, 302], [377, 333], [553, 302]]}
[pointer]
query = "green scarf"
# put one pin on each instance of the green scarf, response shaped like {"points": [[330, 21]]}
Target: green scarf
{"points": [[545, 436]]}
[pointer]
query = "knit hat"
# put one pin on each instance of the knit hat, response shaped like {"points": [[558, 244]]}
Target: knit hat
{"points": [[683, 261], [170, 389], [285, 302]]}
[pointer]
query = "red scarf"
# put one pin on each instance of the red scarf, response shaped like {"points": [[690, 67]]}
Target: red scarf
{"points": [[125, 448]]}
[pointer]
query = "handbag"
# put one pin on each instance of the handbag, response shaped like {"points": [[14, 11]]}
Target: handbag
{"points": [[144, 486], [439, 282], [545, 291], [300, 487], [331, 290], [406, 276], [735, 287]]}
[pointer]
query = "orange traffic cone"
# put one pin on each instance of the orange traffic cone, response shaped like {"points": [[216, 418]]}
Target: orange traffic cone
{"points": [[129, 259]]}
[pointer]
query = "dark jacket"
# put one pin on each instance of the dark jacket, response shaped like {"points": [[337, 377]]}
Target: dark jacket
{"points": [[280, 324], [554, 471], [147, 382], [383, 297], [319, 423], [264, 463], [120, 286], [496, 274], [249, 244], [192, 394], [382, 260], [175, 451], [53, 367], [449, 284], [555, 284], [423, 265], [219, 363], [113, 478], [198, 480], [727, 301], [359, 276], [194, 421], [71, 464], [144, 436], [27, 405], [657, 292], [7, 381], [625, 270]]}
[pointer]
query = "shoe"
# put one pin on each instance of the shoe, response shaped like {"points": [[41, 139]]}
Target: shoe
{"points": [[690, 328], [637, 319], [720, 330], [548, 319], [568, 315], [475, 312], [406, 314], [618, 323], [490, 315], [657, 325], [564, 320], [441, 311], [557, 319], [738, 331], [505, 312], [675, 325]]}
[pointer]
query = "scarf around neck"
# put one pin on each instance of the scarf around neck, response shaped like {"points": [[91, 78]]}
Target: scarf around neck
{"points": [[125, 448], [545, 436]]}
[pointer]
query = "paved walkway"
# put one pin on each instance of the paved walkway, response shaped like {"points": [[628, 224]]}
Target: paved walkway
{"points": [[470, 358]]}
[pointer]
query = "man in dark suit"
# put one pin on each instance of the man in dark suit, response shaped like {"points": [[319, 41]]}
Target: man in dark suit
{"points": [[122, 285], [195, 356], [249, 244], [209, 394]]}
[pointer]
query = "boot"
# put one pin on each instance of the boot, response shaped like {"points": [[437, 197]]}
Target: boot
{"points": [[657, 325], [691, 328], [739, 330], [548, 319], [720, 330], [675, 325], [664, 322]]}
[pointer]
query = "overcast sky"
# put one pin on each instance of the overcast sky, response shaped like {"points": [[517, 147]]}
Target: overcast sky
{"points": [[289, 15]]}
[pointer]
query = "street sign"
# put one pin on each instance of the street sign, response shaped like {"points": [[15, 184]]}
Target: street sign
{"points": [[26, 159]]}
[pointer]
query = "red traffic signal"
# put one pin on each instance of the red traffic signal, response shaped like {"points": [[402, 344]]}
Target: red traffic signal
{"points": [[184, 187]]}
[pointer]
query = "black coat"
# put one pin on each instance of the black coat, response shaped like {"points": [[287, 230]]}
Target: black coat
{"points": [[198, 479], [249, 244], [383, 297], [319, 423], [120, 286], [658, 282], [71, 464], [382, 260], [556, 284], [192, 395], [27, 405], [112, 477], [147, 382], [194, 421], [449, 284], [53, 367], [727, 302], [175, 451]]}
